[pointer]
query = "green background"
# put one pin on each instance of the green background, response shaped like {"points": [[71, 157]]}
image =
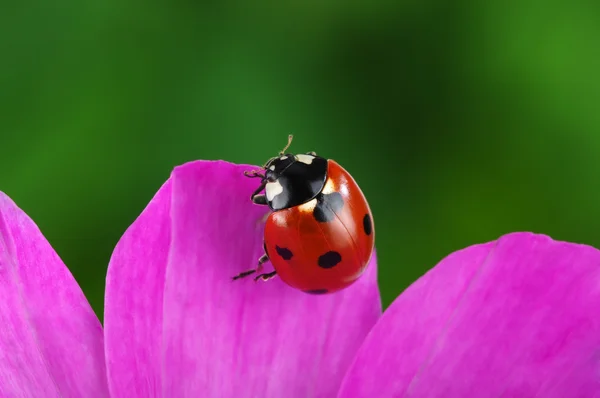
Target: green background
{"points": [[460, 120]]}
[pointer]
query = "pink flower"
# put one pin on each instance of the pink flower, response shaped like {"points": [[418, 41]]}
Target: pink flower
{"points": [[516, 317]]}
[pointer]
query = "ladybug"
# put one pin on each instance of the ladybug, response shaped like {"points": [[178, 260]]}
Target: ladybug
{"points": [[319, 234]]}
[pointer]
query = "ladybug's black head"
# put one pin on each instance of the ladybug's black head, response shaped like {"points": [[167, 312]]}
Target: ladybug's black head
{"points": [[276, 166], [291, 180]]}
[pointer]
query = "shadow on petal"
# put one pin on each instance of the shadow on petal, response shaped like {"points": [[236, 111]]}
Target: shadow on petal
{"points": [[51, 341], [517, 317]]}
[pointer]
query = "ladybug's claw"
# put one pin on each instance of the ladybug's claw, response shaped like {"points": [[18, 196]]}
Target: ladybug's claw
{"points": [[265, 277], [254, 174]]}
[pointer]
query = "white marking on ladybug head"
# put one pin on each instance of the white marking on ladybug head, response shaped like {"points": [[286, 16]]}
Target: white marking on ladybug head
{"points": [[273, 189], [272, 167], [305, 158], [284, 157]]}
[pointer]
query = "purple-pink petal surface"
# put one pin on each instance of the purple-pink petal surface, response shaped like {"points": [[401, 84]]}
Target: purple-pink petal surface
{"points": [[176, 324], [51, 341], [518, 317]]}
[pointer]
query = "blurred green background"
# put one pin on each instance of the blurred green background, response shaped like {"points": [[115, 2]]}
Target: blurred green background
{"points": [[461, 120]]}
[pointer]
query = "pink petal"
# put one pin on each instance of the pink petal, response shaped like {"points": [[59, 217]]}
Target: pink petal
{"points": [[133, 308], [50, 339], [513, 318], [221, 338]]}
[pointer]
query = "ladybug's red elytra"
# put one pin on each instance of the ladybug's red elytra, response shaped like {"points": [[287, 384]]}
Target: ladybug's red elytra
{"points": [[319, 235]]}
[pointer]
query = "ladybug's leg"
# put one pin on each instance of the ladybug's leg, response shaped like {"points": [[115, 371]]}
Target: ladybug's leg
{"points": [[258, 268], [243, 274], [266, 277], [259, 199]]}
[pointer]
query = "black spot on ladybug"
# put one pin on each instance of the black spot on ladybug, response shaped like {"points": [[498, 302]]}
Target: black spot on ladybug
{"points": [[330, 259], [284, 252], [367, 225], [327, 206], [317, 291]]}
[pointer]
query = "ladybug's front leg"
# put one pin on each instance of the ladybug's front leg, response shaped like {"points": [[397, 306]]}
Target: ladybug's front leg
{"points": [[254, 174], [259, 199]]}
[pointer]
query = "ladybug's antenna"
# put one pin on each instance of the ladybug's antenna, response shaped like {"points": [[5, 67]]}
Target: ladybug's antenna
{"points": [[281, 153], [290, 137]]}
